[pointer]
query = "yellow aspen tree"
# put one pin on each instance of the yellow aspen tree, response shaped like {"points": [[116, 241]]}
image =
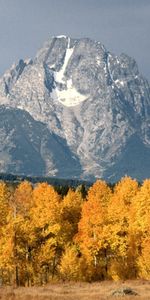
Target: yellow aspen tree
{"points": [[120, 236], [4, 203], [22, 203], [144, 259], [141, 227], [70, 215], [92, 234], [46, 223], [71, 264], [142, 208], [23, 199], [6, 254], [5, 233]]}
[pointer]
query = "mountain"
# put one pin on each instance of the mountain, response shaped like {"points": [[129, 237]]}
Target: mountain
{"points": [[76, 110], [28, 147]]}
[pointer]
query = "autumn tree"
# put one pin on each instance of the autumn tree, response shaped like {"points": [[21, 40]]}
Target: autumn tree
{"points": [[23, 199], [141, 228], [71, 264], [120, 236], [70, 215], [21, 204], [144, 259], [5, 233], [45, 216], [92, 234], [104, 234], [4, 203]]}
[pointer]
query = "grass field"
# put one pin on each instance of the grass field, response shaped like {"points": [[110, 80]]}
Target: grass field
{"points": [[77, 291]]}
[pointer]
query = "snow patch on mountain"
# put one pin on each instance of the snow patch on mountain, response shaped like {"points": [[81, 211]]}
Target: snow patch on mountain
{"points": [[59, 75], [64, 91], [61, 36], [68, 97]]}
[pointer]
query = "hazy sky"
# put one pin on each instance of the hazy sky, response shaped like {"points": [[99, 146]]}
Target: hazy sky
{"points": [[121, 25]]}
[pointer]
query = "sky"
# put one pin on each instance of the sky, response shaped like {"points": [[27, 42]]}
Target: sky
{"points": [[121, 25]]}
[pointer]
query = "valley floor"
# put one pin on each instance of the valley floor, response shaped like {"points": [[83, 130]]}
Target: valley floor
{"points": [[78, 291]]}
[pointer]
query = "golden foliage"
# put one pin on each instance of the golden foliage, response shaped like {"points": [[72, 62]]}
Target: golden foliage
{"points": [[44, 236]]}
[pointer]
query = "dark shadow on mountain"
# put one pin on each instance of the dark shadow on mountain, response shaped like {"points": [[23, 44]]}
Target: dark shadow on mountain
{"points": [[27, 144], [134, 161]]}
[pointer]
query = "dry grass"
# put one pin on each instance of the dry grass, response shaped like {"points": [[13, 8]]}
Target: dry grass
{"points": [[77, 291]]}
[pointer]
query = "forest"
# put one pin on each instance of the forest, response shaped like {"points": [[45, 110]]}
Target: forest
{"points": [[75, 234]]}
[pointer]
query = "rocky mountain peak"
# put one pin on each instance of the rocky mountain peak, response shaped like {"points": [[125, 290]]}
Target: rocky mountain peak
{"points": [[96, 103]]}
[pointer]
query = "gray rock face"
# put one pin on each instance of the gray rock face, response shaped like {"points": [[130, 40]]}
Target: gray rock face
{"points": [[28, 147], [96, 104]]}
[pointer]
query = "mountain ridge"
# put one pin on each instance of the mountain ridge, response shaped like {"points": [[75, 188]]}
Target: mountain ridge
{"points": [[94, 101]]}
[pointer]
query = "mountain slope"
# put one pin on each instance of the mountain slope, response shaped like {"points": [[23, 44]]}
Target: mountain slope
{"points": [[27, 147], [95, 102]]}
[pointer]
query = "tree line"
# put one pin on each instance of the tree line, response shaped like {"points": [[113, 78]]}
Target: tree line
{"points": [[100, 234]]}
